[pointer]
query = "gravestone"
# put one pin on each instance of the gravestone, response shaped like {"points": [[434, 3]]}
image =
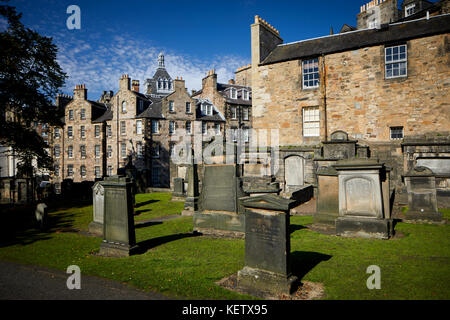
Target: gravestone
{"points": [[339, 146], [191, 203], [293, 172], [178, 190], [361, 202], [267, 246], [41, 214], [422, 199], [96, 226], [327, 205], [219, 211], [118, 229]]}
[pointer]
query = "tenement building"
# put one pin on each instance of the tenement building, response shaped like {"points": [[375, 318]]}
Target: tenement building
{"points": [[385, 83]]}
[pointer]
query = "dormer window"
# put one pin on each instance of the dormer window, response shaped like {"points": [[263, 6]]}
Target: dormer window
{"points": [[410, 10], [233, 93], [206, 109], [245, 95], [160, 84]]}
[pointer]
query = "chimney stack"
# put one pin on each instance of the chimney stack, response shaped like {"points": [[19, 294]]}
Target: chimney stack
{"points": [[80, 92], [231, 81], [124, 82], [135, 85]]}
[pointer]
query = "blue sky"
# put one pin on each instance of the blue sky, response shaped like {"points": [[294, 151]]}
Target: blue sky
{"points": [[125, 37]]}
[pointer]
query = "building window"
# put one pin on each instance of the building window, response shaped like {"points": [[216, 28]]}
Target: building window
{"points": [[311, 122], [245, 95], [82, 132], [311, 73], [234, 134], [70, 170], [155, 126], [139, 150], [139, 127], [155, 153], [83, 114], [70, 132], [97, 151], [410, 10], [204, 128], [171, 127], [70, 114], [123, 128], [57, 151], [123, 150], [233, 93], [233, 113], [83, 151], [245, 134], [97, 173], [57, 170], [70, 152], [110, 171], [109, 131], [155, 176], [83, 171], [57, 133], [217, 128], [124, 106], [171, 108], [188, 127], [396, 133], [396, 61], [245, 114], [188, 107], [141, 106], [44, 130], [109, 152], [97, 131]]}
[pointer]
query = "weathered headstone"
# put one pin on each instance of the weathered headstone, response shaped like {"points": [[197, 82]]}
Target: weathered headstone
{"points": [[219, 210], [178, 193], [96, 226], [191, 203], [293, 172], [327, 205], [361, 204], [119, 238], [267, 246], [41, 214], [422, 199]]}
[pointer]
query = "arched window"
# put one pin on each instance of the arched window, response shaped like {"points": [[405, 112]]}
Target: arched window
{"points": [[165, 84], [124, 106], [160, 84]]}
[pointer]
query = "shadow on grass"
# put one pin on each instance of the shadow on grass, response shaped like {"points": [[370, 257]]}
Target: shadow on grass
{"points": [[296, 227], [139, 212], [303, 262], [146, 245], [138, 205], [146, 224]]}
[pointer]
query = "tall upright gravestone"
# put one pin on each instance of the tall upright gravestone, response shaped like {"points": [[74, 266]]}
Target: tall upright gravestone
{"points": [[267, 246], [98, 198], [119, 238]]}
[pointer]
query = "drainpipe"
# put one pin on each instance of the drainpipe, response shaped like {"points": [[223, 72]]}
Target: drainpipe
{"points": [[324, 95]]}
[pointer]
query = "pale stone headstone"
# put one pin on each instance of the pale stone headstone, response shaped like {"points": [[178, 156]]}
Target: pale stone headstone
{"points": [[327, 205], [96, 226], [294, 175]]}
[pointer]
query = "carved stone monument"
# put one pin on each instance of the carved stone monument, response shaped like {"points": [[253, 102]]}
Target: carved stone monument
{"points": [[119, 238], [191, 203], [219, 212], [362, 207], [96, 226], [267, 246], [327, 205], [422, 200], [178, 193]]}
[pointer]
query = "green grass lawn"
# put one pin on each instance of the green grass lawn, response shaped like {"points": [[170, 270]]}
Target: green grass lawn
{"points": [[413, 266]]}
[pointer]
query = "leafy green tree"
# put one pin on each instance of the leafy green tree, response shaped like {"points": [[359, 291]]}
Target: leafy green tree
{"points": [[30, 78]]}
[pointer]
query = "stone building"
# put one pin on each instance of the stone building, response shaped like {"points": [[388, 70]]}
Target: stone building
{"points": [[385, 83], [232, 101]]}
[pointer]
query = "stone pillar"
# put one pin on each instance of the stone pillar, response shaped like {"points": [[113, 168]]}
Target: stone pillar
{"points": [[361, 204], [191, 203], [422, 199], [119, 238], [178, 193], [327, 205], [267, 246], [98, 208]]}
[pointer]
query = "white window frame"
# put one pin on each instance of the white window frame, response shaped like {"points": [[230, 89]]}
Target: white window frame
{"points": [[155, 126], [188, 107], [57, 170], [393, 62], [57, 151], [245, 133], [123, 128], [97, 150], [70, 170], [139, 150], [306, 83], [83, 114], [109, 148], [83, 151], [70, 114], [233, 93], [204, 128], [234, 113], [57, 133], [124, 107], [188, 125], [83, 172], [171, 106], [70, 152], [171, 127], [70, 132], [310, 120], [138, 126], [245, 114], [217, 128], [392, 130], [97, 172], [123, 150], [97, 131], [82, 132], [408, 10], [245, 95]]}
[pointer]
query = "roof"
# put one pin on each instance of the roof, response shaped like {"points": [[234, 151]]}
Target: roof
{"points": [[154, 111], [107, 116], [216, 116], [359, 39]]}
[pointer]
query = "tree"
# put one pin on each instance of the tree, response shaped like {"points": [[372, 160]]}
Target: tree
{"points": [[30, 77]]}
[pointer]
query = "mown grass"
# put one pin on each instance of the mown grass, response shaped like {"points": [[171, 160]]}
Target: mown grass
{"points": [[415, 265]]}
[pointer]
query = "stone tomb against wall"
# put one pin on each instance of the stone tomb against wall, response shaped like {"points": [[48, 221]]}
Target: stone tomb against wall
{"points": [[364, 207]]}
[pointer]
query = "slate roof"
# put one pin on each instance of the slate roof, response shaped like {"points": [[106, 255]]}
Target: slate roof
{"points": [[216, 116], [391, 33], [106, 116], [160, 73], [154, 111]]}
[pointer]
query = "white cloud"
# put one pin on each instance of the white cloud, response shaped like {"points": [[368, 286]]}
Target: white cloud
{"points": [[100, 67]]}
